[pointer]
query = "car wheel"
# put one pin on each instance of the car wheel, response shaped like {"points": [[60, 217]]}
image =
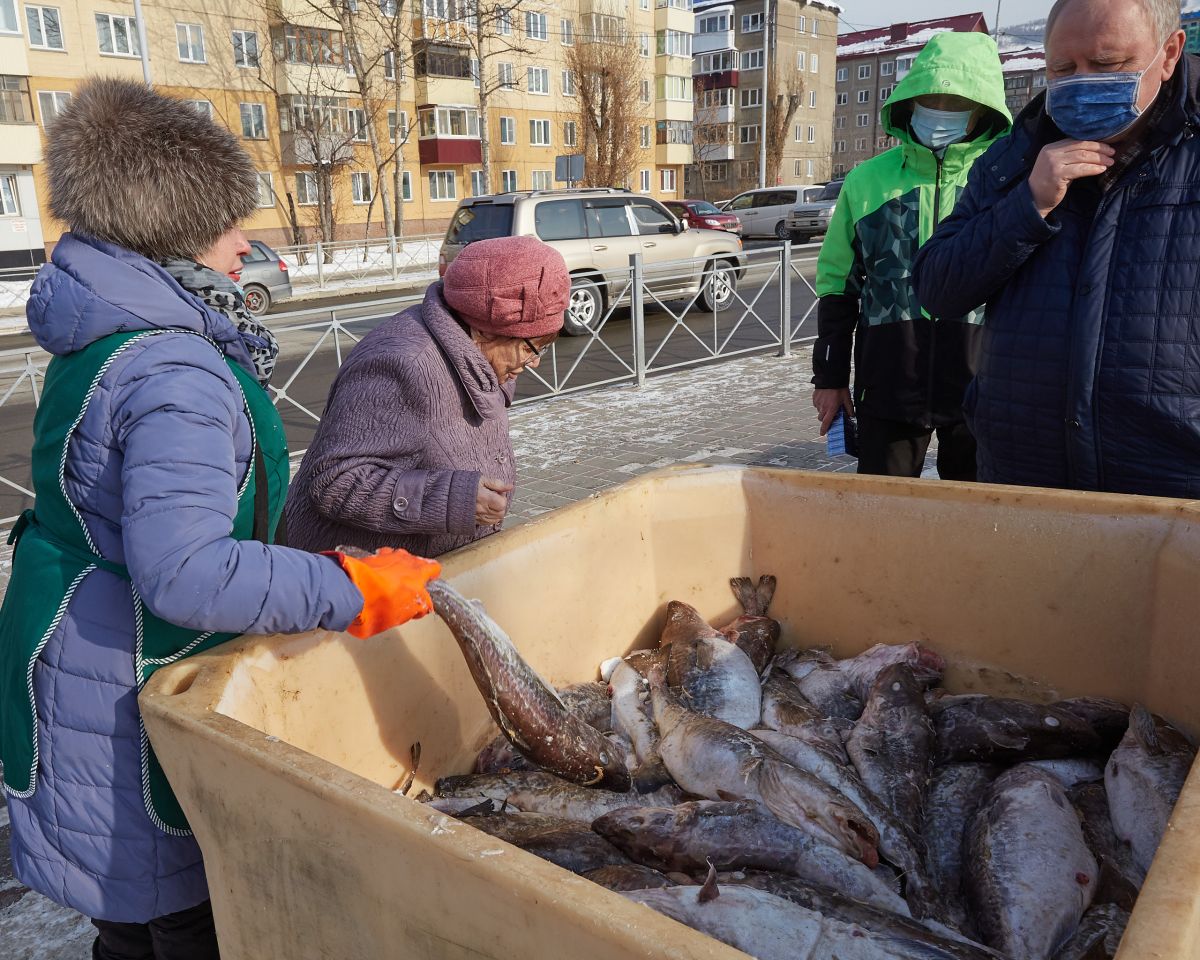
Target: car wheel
{"points": [[584, 308], [800, 238], [781, 230], [258, 300], [720, 286]]}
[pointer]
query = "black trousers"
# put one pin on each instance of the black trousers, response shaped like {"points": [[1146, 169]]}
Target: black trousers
{"points": [[893, 448], [187, 935]]}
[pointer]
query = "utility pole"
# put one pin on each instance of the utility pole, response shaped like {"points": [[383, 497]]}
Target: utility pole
{"points": [[142, 44], [996, 28], [762, 133]]}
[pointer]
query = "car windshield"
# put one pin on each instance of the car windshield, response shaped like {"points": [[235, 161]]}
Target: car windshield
{"points": [[703, 208], [832, 190], [481, 221]]}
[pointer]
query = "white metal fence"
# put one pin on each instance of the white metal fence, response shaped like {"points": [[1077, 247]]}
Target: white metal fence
{"points": [[653, 321]]}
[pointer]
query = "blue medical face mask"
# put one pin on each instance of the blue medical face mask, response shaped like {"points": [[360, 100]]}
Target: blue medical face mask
{"points": [[1095, 106], [938, 129]]}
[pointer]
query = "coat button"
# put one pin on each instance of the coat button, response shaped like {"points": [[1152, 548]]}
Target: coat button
{"points": [[401, 503], [1074, 424], [1002, 179], [1086, 289]]}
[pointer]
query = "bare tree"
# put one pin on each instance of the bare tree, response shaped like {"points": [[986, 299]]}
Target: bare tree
{"points": [[781, 110], [608, 72], [711, 140]]}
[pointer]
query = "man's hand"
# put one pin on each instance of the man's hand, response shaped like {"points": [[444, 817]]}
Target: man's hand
{"points": [[1059, 164], [490, 501], [828, 403]]}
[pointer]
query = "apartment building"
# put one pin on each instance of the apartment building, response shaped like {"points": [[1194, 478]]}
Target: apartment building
{"points": [[1189, 22], [800, 44], [1024, 77], [869, 65], [328, 95]]}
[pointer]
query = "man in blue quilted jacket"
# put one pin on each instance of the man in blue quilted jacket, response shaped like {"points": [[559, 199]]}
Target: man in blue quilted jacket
{"points": [[1081, 233]]}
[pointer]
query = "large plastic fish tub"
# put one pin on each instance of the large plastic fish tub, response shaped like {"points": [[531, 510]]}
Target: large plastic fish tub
{"points": [[284, 751]]}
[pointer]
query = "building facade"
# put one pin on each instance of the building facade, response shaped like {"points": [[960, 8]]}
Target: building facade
{"points": [[331, 97], [1024, 77], [801, 41], [869, 65], [1189, 22]]}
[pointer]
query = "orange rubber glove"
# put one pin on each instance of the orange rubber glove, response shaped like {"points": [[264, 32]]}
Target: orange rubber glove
{"points": [[392, 583]]}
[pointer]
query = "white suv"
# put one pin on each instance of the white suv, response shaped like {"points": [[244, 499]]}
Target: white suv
{"points": [[596, 231]]}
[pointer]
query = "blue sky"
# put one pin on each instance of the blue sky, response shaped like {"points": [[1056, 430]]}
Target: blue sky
{"points": [[875, 13]]}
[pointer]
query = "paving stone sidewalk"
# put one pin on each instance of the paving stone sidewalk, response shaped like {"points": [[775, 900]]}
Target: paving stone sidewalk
{"points": [[752, 411]]}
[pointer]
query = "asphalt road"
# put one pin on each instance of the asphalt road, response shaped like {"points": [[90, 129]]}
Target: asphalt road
{"points": [[751, 324]]}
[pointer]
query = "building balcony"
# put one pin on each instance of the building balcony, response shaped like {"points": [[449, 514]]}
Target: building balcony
{"points": [[716, 81], [711, 42], [13, 56], [22, 144], [669, 63], [710, 152], [672, 154], [455, 32], [307, 149], [453, 150], [673, 110], [674, 15]]}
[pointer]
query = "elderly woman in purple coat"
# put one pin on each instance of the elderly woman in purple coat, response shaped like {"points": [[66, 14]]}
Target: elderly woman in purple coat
{"points": [[159, 469], [413, 450]]}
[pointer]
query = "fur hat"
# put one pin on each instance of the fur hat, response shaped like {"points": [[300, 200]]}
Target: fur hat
{"points": [[145, 171], [510, 286]]}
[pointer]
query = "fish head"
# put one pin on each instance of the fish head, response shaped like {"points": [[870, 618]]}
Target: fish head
{"points": [[630, 826], [897, 686]]}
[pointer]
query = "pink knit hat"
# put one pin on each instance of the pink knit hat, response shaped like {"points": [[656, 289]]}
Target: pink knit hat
{"points": [[509, 286]]}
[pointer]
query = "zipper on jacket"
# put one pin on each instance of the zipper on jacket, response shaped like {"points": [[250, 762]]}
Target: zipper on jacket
{"points": [[937, 215]]}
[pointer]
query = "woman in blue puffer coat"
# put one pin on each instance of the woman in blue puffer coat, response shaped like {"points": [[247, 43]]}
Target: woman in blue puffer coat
{"points": [[160, 470]]}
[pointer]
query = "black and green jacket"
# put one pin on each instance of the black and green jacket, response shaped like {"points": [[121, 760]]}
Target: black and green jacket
{"points": [[908, 366]]}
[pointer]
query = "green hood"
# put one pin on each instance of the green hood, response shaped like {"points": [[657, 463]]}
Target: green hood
{"points": [[962, 64]]}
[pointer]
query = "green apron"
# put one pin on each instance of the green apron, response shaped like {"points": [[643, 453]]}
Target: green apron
{"points": [[55, 552]]}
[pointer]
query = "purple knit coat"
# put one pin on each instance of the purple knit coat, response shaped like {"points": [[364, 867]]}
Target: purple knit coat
{"points": [[414, 418]]}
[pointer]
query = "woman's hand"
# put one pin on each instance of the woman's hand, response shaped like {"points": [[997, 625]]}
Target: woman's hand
{"points": [[491, 502]]}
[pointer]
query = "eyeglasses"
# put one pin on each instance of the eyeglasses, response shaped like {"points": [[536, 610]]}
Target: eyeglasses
{"points": [[534, 348]]}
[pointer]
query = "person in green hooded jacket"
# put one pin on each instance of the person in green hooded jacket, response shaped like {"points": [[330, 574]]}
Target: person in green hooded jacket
{"points": [[910, 369]]}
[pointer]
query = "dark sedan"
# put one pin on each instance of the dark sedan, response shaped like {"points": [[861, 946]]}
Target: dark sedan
{"points": [[702, 214]]}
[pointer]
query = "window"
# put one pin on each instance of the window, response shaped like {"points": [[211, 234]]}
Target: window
{"points": [[812, 100], [358, 125], [748, 133], [884, 93], [537, 80], [559, 220], [674, 131], [799, 133], [673, 88], [449, 122], [570, 134], [644, 186], [541, 180], [508, 130], [117, 35], [50, 102], [643, 44], [801, 60], [718, 62], [812, 134], [535, 26], [45, 27], [800, 25], [752, 97], [15, 105], [863, 119], [716, 171], [8, 17], [254, 121], [813, 64], [721, 97], [815, 27], [717, 23], [644, 94], [202, 107], [505, 23], [860, 144], [904, 64], [388, 9], [839, 146], [864, 71], [843, 74], [843, 98], [539, 133], [809, 168], [645, 138], [266, 190], [667, 181], [360, 187], [752, 60], [839, 123], [864, 96], [887, 68], [568, 83], [389, 65], [752, 22], [505, 74], [477, 187], [306, 189], [1039, 80], [442, 185], [245, 48], [796, 169], [748, 170], [508, 181], [406, 185], [475, 72], [9, 207], [566, 32], [189, 37], [310, 45], [674, 43]]}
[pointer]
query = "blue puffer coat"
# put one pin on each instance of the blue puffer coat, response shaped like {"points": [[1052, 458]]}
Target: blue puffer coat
{"points": [[84, 838], [1090, 370]]}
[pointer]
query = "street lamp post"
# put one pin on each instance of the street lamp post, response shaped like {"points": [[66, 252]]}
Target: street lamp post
{"points": [[143, 46], [766, 65]]}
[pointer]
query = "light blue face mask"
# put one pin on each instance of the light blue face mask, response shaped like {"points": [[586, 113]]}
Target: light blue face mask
{"points": [[1095, 106], [937, 129]]}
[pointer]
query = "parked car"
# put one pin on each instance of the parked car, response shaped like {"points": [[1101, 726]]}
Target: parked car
{"points": [[702, 214], [764, 211], [265, 278], [811, 219], [597, 230]]}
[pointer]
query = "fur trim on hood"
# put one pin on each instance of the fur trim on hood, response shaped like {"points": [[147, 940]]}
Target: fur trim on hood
{"points": [[144, 171]]}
